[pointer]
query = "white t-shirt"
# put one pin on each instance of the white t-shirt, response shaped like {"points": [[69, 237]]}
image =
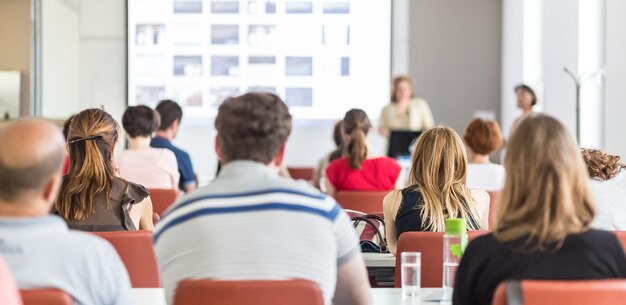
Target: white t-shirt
{"points": [[610, 199], [153, 168], [488, 177]]}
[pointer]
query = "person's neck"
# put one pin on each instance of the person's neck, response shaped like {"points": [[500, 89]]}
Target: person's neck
{"points": [[479, 159], [527, 111], [167, 134], [138, 143], [19, 209]]}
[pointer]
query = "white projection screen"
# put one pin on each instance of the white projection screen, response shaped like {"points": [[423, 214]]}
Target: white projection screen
{"points": [[321, 57]]}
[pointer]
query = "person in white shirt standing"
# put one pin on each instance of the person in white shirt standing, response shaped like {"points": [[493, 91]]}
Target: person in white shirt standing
{"points": [[608, 186], [38, 248], [250, 223], [483, 137]]}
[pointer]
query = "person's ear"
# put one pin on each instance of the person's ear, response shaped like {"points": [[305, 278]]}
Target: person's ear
{"points": [[218, 149], [280, 157], [175, 124]]}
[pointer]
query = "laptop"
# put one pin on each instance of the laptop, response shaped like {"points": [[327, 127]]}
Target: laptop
{"points": [[400, 142]]}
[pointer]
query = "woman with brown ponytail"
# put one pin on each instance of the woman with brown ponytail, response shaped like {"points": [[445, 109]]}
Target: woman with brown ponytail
{"points": [[359, 170], [93, 197]]}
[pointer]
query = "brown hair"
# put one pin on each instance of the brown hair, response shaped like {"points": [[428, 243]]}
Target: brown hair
{"points": [[439, 170], [357, 125], [140, 121], [169, 112], [601, 165], [545, 195], [396, 82], [91, 139], [253, 126], [483, 136], [528, 89]]}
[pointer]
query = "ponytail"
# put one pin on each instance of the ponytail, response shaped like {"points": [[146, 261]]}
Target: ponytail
{"points": [[357, 149]]}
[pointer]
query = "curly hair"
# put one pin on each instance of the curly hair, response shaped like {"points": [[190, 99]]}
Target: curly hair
{"points": [[601, 165]]}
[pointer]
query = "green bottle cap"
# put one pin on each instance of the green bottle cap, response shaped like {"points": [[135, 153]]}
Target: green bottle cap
{"points": [[456, 226]]}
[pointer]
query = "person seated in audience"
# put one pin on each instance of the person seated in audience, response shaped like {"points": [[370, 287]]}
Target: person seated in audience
{"points": [[543, 219], [437, 190], [330, 157], [526, 100], [406, 112], [360, 170], [154, 168], [270, 227], [93, 197], [482, 138], [38, 248], [608, 185], [171, 114]]}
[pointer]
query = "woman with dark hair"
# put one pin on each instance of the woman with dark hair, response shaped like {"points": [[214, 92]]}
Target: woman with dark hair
{"points": [[608, 185], [92, 196], [526, 100], [360, 170], [330, 157], [406, 112], [154, 168]]}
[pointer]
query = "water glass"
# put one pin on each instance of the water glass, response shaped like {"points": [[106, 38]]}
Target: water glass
{"points": [[411, 263]]}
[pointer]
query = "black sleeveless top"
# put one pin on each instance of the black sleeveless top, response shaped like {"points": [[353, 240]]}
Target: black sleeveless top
{"points": [[408, 218], [112, 214]]}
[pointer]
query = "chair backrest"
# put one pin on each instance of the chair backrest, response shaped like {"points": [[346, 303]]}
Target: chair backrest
{"points": [[301, 173], [573, 292], [430, 245], [9, 294], [209, 292], [493, 205], [162, 199], [136, 251], [45, 297], [363, 201]]}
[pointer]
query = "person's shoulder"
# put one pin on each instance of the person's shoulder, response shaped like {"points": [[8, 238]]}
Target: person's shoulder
{"points": [[483, 244], [480, 195], [595, 236], [337, 163], [418, 101]]}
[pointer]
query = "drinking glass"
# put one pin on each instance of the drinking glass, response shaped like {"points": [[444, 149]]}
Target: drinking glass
{"points": [[411, 263]]}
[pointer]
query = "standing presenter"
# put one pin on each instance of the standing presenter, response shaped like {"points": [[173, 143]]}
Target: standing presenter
{"points": [[405, 112]]}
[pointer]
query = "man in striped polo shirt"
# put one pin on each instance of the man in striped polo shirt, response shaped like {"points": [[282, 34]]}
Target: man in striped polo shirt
{"points": [[250, 223]]}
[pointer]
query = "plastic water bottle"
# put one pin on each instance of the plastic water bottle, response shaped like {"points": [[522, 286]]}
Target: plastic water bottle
{"points": [[454, 242]]}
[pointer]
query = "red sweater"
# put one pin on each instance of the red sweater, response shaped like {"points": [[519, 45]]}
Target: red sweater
{"points": [[378, 174]]}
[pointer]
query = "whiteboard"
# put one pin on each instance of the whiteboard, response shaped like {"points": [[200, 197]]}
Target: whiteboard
{"points": [[10, 88], [322, 57]]}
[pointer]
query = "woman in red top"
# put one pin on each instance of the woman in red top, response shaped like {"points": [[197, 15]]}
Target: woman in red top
{"points": [[359, 170]]}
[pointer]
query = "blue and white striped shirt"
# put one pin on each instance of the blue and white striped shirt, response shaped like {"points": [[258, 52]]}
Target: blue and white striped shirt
{"points": [[250, 223]]}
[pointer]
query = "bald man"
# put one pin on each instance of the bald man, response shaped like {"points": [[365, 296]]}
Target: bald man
{"points": [[38, 248]]}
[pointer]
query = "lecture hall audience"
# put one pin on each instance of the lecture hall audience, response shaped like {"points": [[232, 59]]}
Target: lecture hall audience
{"points": [[360, 170], [437, 189], [93, 197], [319, 180], [38, 248], [251, 223], [543, 220], [483, 137], [153, 168], [171, 115], [608, 186]]}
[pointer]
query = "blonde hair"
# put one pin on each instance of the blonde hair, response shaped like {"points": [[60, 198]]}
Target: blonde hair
{"points": [[545, 196], [91, 139], [356, 124], [439, 170]]}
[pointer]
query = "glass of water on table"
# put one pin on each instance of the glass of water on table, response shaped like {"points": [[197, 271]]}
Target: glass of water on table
{"points": [[411, 264]]}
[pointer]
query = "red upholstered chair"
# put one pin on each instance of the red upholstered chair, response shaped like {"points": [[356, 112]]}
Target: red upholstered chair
{"points": [[493, 205], [162, 199], [430, 244], [9, 294], [363, 201], [45, 297], [301, 173], [574, 292], [209, 292], [136, 251]]}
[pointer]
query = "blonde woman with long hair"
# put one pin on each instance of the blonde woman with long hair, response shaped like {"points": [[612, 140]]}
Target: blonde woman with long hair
{"points": [[542, 221], [437, 189], [92, 196]]}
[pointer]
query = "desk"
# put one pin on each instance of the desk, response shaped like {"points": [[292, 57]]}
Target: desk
{"points": [[380, 296], [386, 260]]}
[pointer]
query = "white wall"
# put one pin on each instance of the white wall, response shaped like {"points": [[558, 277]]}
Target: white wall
{"points": [[615, 111]]}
